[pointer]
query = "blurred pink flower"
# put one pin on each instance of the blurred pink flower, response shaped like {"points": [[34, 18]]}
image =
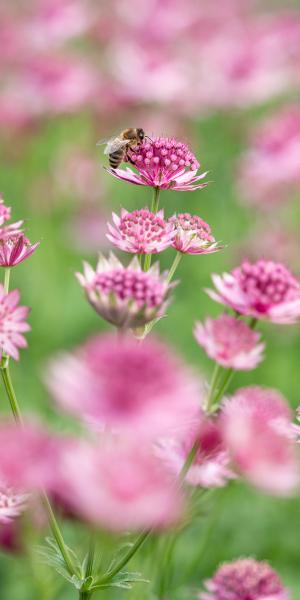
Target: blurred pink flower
{"points": [[12, 323], [14, 246], [122, 384], [261, 439], [125, 296], [245, 579], [270, 168], [211, 466], [141, 232], [119, 486], [162, 163], [12, 504], [263, 290], [56, 21], [193, 235], [230, 342], [28, 457]]}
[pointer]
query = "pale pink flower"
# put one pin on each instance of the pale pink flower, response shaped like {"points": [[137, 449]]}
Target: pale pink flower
{"points": [[4, 212], [245, 579], [270, 168], [119, 486], [12, 323], [125, 296], [260, 438], [141, 231], [28, 457], [14, 246], [263, 290], [12, 504], [123, 384], [162, 163], [230, 342], [211, 465], [193, 235]]}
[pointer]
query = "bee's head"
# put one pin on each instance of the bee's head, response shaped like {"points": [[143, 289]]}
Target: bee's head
{"points": [[140, 134]]}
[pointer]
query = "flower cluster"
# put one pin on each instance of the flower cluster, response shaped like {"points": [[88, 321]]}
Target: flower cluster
{"points": [[14, 246]]}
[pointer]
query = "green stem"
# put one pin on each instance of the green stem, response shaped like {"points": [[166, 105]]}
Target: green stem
{"points": [[58, 535], [119, 565], [6, 279], [154, 209], [174, 266], [85, 595], [221, 391], [213, 385], [10, 390], [189, 461], [91, 556]]}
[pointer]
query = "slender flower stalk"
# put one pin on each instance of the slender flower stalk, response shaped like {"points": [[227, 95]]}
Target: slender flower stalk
{"points": [[154, 209]]}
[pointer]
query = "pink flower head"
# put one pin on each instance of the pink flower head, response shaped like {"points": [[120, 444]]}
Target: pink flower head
{"points": [[12, 504], [141, 232], [193, 235], [4, 212], [12, 323], [125, 296], [263, 290], [210, 467], [125, 385], [245, 579], [119, 486], [230, 342], [28, 457], [261, 440], [14, 246], [162, 163], [270, 169]]}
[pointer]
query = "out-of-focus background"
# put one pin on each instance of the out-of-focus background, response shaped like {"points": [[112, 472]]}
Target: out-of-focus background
{"points": [[222, 76]]}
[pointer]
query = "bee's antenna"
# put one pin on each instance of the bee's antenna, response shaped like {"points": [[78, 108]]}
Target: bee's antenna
{"points": [[149, 138]]}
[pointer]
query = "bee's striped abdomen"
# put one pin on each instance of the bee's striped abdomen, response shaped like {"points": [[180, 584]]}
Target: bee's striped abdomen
{"points": [[115, 158]]}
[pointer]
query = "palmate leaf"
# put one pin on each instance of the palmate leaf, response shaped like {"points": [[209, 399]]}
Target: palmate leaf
{"points": [[123, 579], [50, 555]]}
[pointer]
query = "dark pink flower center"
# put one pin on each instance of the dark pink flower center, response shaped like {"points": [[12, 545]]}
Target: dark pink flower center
{"points": [[132, 285], [193, 224], [266, 283], [164, 155], [142, 226]]}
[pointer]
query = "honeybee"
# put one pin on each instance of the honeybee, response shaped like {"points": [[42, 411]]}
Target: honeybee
{"points": [[117, 147]]}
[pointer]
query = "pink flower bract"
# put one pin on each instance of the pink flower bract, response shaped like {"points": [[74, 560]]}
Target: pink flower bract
{"points": [[119, 486], [12, 504], [263, 290], [123, 384], [193, 235], [230, 342], [245, 579], [125, 296], [261, 440], [14, 247], [12, 323], [141, 232], [162, 163]]}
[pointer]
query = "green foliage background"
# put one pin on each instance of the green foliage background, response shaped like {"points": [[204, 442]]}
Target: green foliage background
{"points": [[245, 522]]}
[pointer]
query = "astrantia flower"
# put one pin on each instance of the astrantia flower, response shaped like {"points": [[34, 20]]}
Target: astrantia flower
{"points": [[12, 504], [14, 246], [193, 235], [125, 296], [230, 342], [162, 163], [141, 232], [263, 290], [119, 486], [123, 384], [245, 579], [210, 467], [260, 438], [12, 323]]}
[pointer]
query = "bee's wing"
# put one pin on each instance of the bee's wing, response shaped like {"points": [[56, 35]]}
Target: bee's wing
{"points": [[112, 144]]}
